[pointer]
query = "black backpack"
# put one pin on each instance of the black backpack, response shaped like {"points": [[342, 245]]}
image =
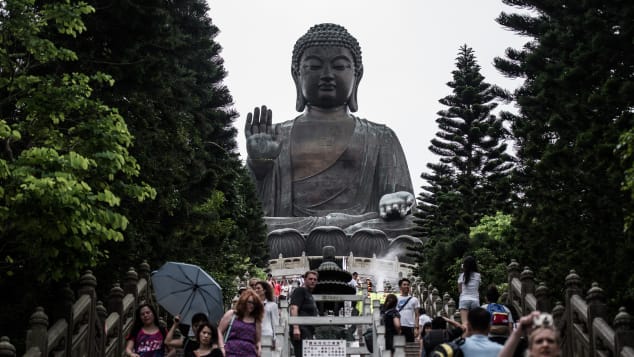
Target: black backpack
{"points": [[434, 338], [449, 349]]}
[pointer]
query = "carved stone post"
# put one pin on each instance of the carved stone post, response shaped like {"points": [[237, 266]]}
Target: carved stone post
{"points": [[399, 346], [438, 305], [528, 287], [101, 317], [115, 299], [573, 287], [130, 284], [445, 298], [68, 297], [115, 304], [6, 348], [435, 295], [558, 315], [144, 273], [597, 308], [542, 296], [513, 271], [37, 334], [451, 307], [624, 329], [423, 301], [267, 346], [88, 286]]}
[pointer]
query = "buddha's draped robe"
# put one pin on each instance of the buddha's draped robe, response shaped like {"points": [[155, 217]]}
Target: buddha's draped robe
{"points": [[349, 189]]}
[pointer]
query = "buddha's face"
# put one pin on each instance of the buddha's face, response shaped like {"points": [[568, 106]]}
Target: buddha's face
{"points": [[326, 76]]}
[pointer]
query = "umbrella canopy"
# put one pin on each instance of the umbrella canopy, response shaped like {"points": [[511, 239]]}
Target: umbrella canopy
{"points": [[185, 289]]}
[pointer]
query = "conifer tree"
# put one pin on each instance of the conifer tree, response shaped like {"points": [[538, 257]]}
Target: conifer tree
{"points": [[471, 179], [168, 76], [575, 103]]}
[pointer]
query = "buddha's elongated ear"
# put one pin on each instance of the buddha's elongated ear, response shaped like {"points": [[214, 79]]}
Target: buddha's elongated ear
{"points": [[353, 104], [300, 101]]}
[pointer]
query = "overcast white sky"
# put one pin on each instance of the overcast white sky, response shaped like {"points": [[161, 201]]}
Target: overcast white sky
{"points": [[409, 49]]}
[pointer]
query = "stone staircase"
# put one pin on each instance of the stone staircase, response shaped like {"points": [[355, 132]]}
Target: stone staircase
{"points": [[412, 349]]}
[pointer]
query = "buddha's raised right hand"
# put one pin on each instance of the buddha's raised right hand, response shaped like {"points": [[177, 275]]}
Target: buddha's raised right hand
{"points": [[262, 145]]}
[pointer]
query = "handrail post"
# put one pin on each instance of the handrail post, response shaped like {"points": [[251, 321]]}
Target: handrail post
{"points": [[513, 272], [596, 309], [542, 296], [144, 273], [69, 300], [87, 286], [399, 346], [37, 334], [285, 327], [528, 287], [130, 284], [451, 308], [6, 348], [624, 330], [559, 315], [115, 305], [573, 287], [267, 346], [376, 322]]}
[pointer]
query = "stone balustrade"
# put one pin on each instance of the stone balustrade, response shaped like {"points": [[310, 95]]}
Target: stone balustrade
{"points": [[89, 328], [582, 319], [369, 318]]}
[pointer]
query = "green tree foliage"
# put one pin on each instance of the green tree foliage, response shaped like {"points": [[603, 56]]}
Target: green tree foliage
{"points": [[65, 164], [494, 242], [471, 179], [168, 85], [576, 102]]}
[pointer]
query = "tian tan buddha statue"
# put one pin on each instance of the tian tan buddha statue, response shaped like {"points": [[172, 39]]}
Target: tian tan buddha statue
{"points": [[328, 167]]}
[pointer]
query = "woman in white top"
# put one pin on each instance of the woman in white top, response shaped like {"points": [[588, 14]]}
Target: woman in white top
{"points": [[271, 315], [468, 285]]}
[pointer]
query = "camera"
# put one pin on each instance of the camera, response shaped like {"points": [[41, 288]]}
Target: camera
{"points": [[543, 320]]}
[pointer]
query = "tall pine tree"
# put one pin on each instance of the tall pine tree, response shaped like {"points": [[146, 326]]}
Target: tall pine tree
{"points": [[576, 101], [471, 179], [168, 86]]}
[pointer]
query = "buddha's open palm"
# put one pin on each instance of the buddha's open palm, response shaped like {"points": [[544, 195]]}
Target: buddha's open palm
{"points": [[261, 135]]}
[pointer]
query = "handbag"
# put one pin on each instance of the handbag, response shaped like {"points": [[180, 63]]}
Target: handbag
{"points": [[229, 328]]}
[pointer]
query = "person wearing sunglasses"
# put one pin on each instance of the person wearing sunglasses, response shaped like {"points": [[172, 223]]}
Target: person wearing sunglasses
{"points": [[241, 328]]}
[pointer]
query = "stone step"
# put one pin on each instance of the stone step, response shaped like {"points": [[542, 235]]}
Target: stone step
{"points": [[412, 349]]}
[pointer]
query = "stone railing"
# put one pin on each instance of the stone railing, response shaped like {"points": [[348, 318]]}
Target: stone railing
{"points": [[89, 328], [436, 305], [369, 318], [583, 321]]}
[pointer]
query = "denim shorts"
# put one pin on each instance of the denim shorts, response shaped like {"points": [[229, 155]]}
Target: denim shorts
{"points": [[468, 304]]}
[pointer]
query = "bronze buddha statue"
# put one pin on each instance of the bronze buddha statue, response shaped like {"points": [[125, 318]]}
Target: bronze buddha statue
{"points": [[328, 167]]}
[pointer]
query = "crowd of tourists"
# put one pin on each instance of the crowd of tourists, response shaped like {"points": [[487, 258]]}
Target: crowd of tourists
{"points": [[484, 330]]}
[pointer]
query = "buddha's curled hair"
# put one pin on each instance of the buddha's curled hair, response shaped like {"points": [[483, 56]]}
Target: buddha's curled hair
{"points": [[327, 35]]}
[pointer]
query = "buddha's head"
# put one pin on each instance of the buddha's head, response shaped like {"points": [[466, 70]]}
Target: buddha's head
{"points": [[327, 68]]}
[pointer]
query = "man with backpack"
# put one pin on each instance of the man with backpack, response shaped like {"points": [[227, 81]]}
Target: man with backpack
{"points": [[501, 317], [477, 344], [408, 309]]}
